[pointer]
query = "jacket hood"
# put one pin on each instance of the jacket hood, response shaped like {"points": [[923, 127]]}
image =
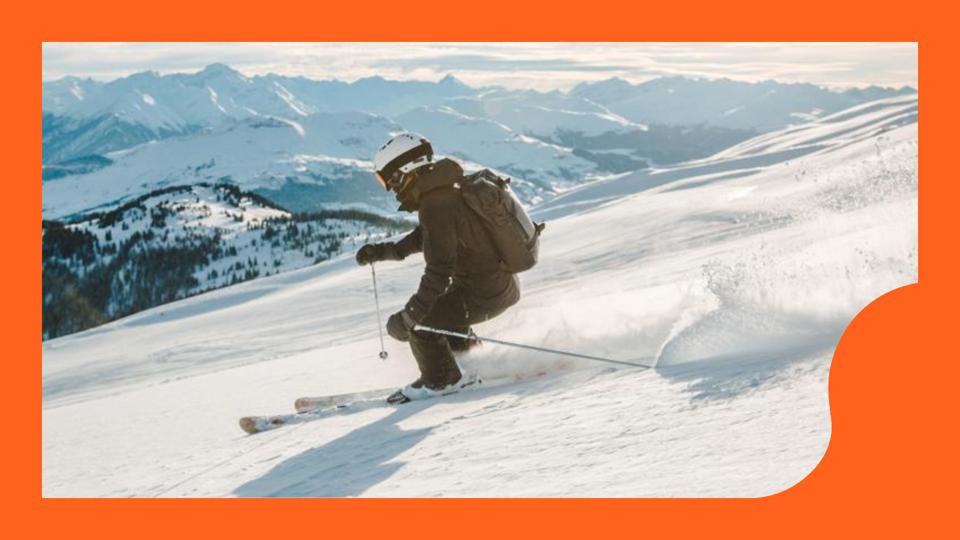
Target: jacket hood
{"points": [[443, 173]]}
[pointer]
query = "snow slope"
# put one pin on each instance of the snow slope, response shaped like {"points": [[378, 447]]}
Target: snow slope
{"points": [[763, 106], [498, 146], [543, 114], [735, 274], [326, 153], [106, 265], [260, 152]]}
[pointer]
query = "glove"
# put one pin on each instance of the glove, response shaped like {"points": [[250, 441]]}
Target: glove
{"points": [[399, 326], [371, 253]]}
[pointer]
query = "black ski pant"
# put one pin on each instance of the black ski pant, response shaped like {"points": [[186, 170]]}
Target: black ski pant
{"points": [[455, 311]]}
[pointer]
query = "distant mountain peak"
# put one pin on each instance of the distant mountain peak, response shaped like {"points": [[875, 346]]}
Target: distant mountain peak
{"points": [[612, 81], [451, 80], [613, 84], [72, 79], [370, 79], [218, 69], [143, 75]]}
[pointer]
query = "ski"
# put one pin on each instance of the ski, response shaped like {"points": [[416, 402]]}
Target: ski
{"points": [[356, 401], [307, 404], [327, 405], [258, 424]]}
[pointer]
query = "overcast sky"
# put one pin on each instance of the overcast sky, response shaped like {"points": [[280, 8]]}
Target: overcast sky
{"points": [[542, 66]]}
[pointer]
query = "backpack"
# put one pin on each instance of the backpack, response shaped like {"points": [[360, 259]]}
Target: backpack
{"points": [[514, 235]]}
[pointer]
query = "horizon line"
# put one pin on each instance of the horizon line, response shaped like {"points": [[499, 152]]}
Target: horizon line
{"points": [[453, 76]]}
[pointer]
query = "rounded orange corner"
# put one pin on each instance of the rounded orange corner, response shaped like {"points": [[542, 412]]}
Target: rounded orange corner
{"points": [[884, 316]]}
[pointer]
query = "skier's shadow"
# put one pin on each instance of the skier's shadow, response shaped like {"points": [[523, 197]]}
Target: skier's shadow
{"points": [[344, 467]]}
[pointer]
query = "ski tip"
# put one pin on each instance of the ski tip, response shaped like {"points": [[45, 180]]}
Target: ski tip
{"points": [[249, 424], [303, 404]]}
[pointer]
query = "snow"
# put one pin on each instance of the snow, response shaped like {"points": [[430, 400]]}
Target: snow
{"points": [[736, 273], [544, 115], [497, 146], [198, 213], [683, 101], [76, 91], [291, 100], [61, 94], [255, 153], [267, 151]]}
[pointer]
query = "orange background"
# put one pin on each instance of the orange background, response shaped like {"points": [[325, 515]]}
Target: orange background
{"points": [[890, 466]]}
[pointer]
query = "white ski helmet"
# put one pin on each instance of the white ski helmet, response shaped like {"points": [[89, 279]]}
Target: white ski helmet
{"points": [[400, 155]]}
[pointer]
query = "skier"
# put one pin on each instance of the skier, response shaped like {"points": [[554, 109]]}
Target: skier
{"points": [[463, 283]]}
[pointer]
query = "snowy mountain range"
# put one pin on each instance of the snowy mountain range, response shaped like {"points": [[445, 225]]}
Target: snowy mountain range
{"points": [[304, 147], [762, 106], [218, 92], [83, 117], [733, 274], [179, 241]]}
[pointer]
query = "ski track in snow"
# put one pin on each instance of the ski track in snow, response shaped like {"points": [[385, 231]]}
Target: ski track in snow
{"points": [[736, 273]]}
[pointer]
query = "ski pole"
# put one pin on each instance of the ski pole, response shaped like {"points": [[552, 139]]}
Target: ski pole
{"points": [[473, 337], [376, 299]]}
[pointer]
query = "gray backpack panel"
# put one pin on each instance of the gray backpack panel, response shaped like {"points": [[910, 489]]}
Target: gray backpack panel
{"points": [[514, 234]]}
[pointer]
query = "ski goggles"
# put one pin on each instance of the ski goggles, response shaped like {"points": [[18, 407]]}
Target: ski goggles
{"points": [[381, 180], [389, 182]]}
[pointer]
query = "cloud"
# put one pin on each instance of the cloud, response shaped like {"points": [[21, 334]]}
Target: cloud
{"points": [[542, 66], [479, 62]]}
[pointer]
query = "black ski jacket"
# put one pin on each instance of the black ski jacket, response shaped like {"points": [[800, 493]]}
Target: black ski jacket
{"points": [[456, 248]]}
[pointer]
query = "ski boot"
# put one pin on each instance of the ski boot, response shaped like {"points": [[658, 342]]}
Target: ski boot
{"points": [[418, 390]]}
